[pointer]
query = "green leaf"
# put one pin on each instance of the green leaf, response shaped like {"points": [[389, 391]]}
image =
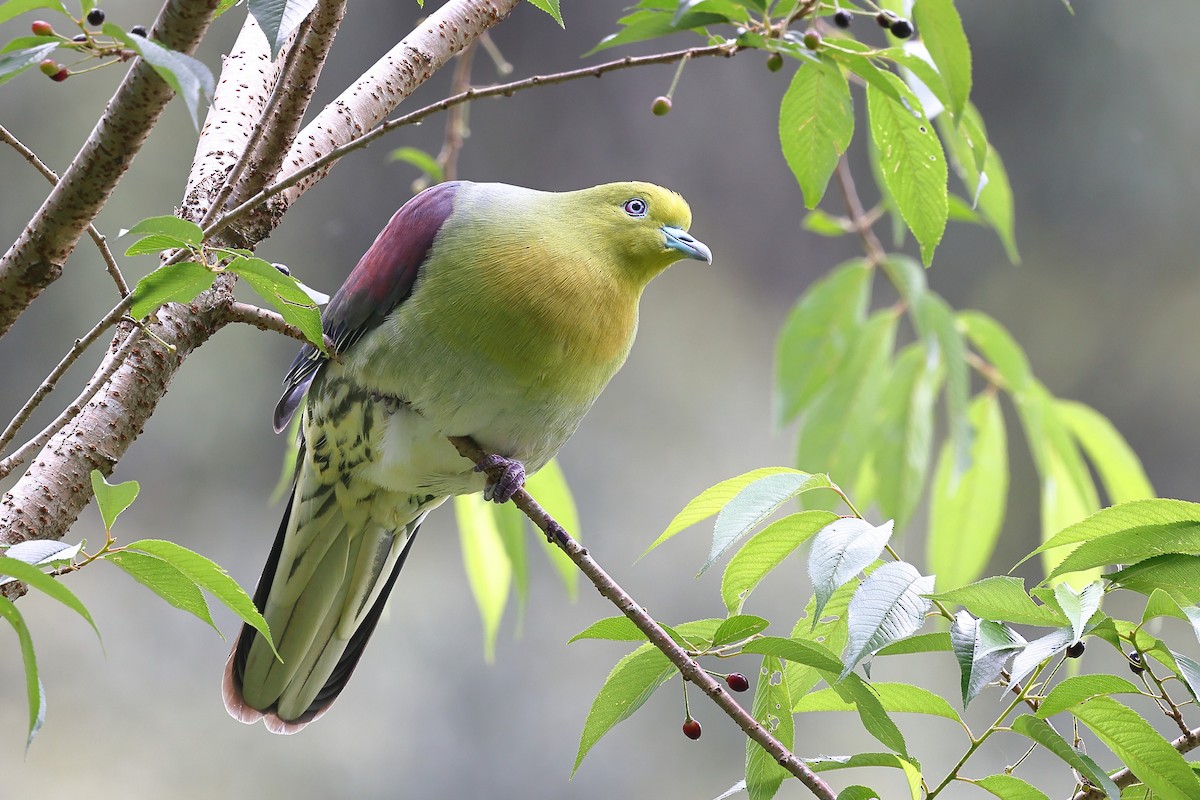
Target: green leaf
{"points": [[829, 637], [772, 710], [713, 499], [887, 607], [913, 166], [112, 499], [1081, 688], [966, 511], [33, 683], [938, 642], [279, 18], [937, 326], [1040, 732], [1039, 651], [180, 232], [1009, 787], [1119, 520], [41, 552], [754, 504], [653, 24], [165, 580], [1000, 349], [823, 224], [1141, 748], [871, 712], [912, 771], [1119, 468], [816, 124], [981, 647], [209, 576], [418, 158], [737, 627], [841, 550], [613, 629], [1161, 603], [982, 171], [186, 76], [174, 283], [1190, 671], [34, 578], [817, 336], [510, 524], [800, 651], [488, 569], [14, 8], [1078, 606], [1176, 575], [766, 550], [894, 697], [283, 292], [943, 36], [904, 432], [1002, 598], [551, 8], [1133, 545], [858, 793], [549, 486], [14, 62], [630, 684]]}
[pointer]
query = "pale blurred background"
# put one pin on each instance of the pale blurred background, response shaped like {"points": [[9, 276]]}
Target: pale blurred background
{"points": [[1097, 116]]}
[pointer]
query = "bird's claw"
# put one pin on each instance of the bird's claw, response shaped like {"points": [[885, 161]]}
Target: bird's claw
{"points": [[508, 478]]}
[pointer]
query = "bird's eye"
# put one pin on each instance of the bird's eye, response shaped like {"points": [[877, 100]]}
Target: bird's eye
{"points": [[635, 207]]}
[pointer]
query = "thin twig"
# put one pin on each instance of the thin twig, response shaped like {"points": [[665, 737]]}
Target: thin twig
{"points": [[70, 412], [266, 320], [101, 241], [861, 220], [504, 89], [688, 668], [47, 385], [456, 119]]}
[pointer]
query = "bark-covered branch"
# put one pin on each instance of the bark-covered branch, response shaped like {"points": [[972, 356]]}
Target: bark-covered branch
{"points": [[37, 257]]}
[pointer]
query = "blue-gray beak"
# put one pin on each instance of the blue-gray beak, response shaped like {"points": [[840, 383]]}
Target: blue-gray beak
{"points": [[681, 240]]}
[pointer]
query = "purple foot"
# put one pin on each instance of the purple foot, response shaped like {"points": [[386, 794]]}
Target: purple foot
{"points": [[511, 478]]}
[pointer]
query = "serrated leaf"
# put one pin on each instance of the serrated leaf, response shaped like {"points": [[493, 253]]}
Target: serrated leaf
{"points": [[938, 642], [1190, 671], [487, 567], [904, 432], [816, 124], [1133, 545], [1078, 606], [943, 36], [551, 8], [981, 647], [937, 326], [897, 698], [181, 231], [613, 629], [14, 62], [1009, 787], [1119, 520], [1080, 688], [739, 626], [186, 76], [1141, 748], [1038, 651], [284, 294], [771, 709], [841, 550], [1120, 470], [278, 19], [174, 283], [829, 637], [1161, 603], [164, 580], [817, 336], [549, 486], [800, 651], [41, 552], [153, 244], [966, 511], [912, 772], [653, 24], [982, 172], [871, 712], [112, 499], [1002, 597], [713, 499], [766, 550], [211, 577], [34, 578], [887, 606], [1040, 732], [857, 792], [14, 8], [33, 682], [913, 166], [754, 504]]}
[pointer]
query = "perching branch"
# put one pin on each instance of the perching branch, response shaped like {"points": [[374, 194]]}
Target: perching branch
{"points": [[688, 668]]}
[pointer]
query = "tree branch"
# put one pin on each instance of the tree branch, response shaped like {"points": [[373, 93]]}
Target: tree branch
{"points": [[37, 257], [1124, 777], [266, 320], [688, 668]]}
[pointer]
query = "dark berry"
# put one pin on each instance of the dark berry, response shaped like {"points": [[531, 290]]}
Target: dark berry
{"points": [[61, 75], [737, 681], [886, 18], [1075, 650], [95, 17], [812, 39], [775, 62], [691, 729], [49, 66], [138, 30], [1135, 662], [79, 37], [901, 29], [661, 106], [42, 28], [842, 18]]}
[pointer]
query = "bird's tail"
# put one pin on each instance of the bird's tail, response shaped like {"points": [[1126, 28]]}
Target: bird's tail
{"points": [[322, 591]]}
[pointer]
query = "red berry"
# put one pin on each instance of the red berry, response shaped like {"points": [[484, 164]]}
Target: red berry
{"points": [[95, 17], [842, 18], [812, 39], [661, 106], [61, 75], [49, 66], [901, 29], [737, 681], [42, 28], [691, 729]]}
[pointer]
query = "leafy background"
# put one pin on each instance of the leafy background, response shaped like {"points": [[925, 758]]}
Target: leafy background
{"points": [[1093, 117]]}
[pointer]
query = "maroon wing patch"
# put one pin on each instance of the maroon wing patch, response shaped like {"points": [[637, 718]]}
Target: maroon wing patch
{"points": [[383, 279]]}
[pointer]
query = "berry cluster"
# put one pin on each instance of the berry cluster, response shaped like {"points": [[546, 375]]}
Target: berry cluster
{"points": [[84, 42], [899, 27]]}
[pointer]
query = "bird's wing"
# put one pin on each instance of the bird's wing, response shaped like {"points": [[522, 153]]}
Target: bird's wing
{"points": [[383, 279]]}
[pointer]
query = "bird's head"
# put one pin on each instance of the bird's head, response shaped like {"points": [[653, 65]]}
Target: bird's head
{"points": [[642, 227]]}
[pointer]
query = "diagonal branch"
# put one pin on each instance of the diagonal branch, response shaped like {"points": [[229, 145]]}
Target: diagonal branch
{"points": [[688, 668]]}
